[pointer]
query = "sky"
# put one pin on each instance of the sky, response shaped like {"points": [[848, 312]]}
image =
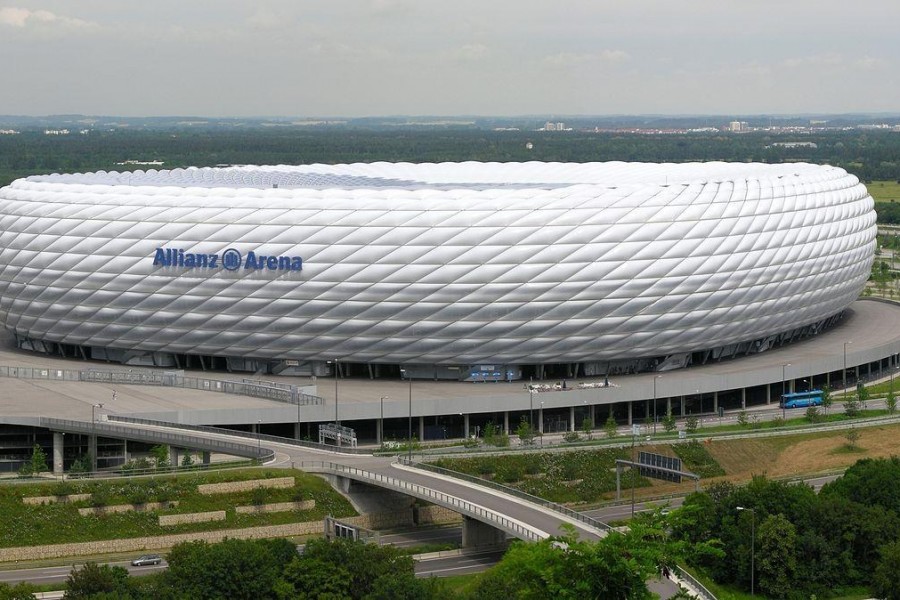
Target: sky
{"points": [[356, 58]]}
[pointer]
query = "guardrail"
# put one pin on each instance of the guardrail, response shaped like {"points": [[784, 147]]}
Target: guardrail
{"points": [[105, 429], [244, 434], [704, 593], [457, 504], [265, 390], [558, 508]]}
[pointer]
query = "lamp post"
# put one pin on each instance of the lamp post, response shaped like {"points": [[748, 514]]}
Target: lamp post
{"points": [[655, 377], [258, 442], [409, 439], [541, 424], [94, 434], [381, 422], [844, 372], [783, 371], [531, 406], [752, 547]]}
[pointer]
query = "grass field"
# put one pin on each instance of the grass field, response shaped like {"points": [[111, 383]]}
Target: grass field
{"points": [[27, 525], [884, 191]]}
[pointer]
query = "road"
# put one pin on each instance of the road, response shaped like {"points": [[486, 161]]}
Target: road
{"points": [[454, 565]]}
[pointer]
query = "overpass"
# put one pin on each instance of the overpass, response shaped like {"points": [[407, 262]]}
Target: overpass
{"points": [[489, 514]]}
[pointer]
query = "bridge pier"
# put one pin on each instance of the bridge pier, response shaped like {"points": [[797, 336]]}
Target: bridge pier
{"points": [[92, 450], [476, 534]]}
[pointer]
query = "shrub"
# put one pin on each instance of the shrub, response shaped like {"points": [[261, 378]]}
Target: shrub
{"points": [[571, 436]]}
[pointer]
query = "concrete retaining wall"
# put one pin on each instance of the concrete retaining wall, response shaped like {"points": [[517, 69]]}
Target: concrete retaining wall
{"points": [[201, 517], [436, 515], [245, 486], [121, 508], [373, 521], [275, 507], [55, 499]]}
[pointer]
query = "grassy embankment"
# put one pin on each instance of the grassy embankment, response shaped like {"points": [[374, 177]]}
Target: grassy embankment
{"points": [[29, 525]]}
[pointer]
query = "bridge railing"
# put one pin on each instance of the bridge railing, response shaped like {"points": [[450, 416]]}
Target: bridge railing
{"points": [[243, 434], [704, 593], [180, 440], [557, 508], [255, 389], [457, 504]]}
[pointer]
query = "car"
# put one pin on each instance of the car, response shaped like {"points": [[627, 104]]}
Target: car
{"points": [[146, 560]]}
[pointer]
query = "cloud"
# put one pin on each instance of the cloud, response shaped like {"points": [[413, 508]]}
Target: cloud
{"points": [[470, 52], [23, 18], [573, 59]]}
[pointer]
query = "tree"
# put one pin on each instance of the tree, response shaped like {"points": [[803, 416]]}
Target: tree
{"points": [[891, 402], [851, 407], [886, 579], [852, 437], [587, 427], [691, 424], [240, 569], [36, 464], [812, 414], [611, 427], [187, 460], [863, 394], [20, 591], [669, 423], [777, 554], [827, 400], [743, 419], [93, 579], [525, 432], [350, 569], [160, 456]]}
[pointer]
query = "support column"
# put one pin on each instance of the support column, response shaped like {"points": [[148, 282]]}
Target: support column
{"points": [[421, 429], [127, 455], [541, 420], [668, 406], [92, 450], [571, 418], [204, 457], [379, 431], [743, 398], [647, 411], [828, 379], [716, 402], [58, 446], [173, 456], [682, 406], [475, 533], [298, 431], [466, 426], [506, 422], [768, 393], [630, 413], [593, 418]]}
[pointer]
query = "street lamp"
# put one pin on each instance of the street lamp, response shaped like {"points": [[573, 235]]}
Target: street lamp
{"points": [[654, 402], [409, 440], [783, 371], [258, 443], [531, 406], [844, 372], [94, 431], [381, 422], [541, 424], [752, 547]]}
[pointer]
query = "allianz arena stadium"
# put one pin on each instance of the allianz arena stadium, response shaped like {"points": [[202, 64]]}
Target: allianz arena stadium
{"points": [[454, 271]]}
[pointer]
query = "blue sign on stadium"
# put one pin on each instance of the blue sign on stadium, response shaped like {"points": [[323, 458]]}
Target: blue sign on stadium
{"points": [[230, 260]]}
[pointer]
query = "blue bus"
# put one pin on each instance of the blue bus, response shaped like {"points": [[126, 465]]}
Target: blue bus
{"points": [[801, 399]]}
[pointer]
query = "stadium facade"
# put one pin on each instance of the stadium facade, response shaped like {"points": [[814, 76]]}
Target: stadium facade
{"points": [[453, 271]]}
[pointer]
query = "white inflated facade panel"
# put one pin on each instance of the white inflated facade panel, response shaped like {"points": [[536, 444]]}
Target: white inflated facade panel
{"points": [[455, 263]]}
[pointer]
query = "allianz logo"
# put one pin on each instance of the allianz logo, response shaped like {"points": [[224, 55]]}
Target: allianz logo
{"points": [[230, 260]]}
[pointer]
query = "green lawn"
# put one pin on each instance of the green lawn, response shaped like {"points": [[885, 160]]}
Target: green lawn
{"points": [[884, 191], [28, 525]]}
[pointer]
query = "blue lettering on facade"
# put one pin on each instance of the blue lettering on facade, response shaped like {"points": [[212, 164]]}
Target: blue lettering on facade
{"points": [[230, 260]]}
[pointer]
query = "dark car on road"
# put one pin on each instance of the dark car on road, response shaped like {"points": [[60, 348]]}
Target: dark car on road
{"points": [[147, 559]]}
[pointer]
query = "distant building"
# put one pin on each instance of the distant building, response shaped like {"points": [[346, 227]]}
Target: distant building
{"points": [[738, 126]]}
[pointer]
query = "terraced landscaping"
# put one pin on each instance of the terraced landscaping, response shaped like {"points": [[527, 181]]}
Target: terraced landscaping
{"points": [[60, 522]]}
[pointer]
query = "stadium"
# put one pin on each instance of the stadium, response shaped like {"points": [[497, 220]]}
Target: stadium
{"points": [[462, 271]]}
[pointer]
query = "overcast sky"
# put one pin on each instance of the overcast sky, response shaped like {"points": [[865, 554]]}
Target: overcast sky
{"points": [[452, 57]]}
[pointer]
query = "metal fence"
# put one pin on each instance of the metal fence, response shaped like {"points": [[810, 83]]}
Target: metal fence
{"points": [[704, 593], [181, 440], [244, 434], [557, 508], [457, 504], [277, 392]]}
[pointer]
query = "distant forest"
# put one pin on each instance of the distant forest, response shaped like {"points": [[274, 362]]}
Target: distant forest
{"points": [[869, 154]]}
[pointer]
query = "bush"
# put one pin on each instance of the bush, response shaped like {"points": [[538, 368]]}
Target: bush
{"points": [[698, 460], [571, 436]]}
